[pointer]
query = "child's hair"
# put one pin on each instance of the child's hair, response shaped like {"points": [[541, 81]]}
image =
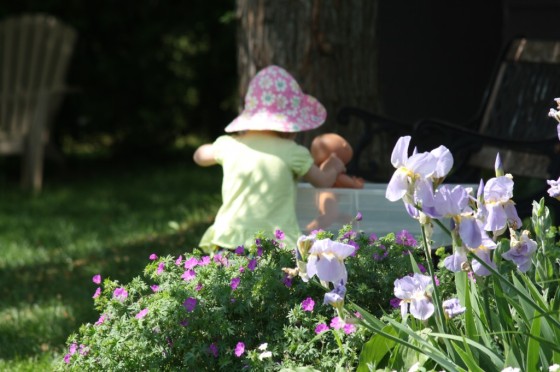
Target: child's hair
{"points": [[274, 101]]}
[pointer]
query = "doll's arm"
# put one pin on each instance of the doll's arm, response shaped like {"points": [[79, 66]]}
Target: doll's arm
{"points": [[204, 155], [325, 175]]}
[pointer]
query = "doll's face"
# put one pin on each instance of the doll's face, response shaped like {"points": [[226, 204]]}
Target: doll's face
{"points": [[325, 144]]}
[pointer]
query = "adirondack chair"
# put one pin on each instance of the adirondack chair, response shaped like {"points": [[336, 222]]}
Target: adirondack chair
{"points": [[35, 51], [512, 121]]}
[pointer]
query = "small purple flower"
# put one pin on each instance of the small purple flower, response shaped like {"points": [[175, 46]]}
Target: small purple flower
{"points": [[191, 263], [279, 234], [337, 323], [198, 287], [359, 216], [235, 283], [67, 358], [239, 349], [452, 308], [188, 275], [321, 327], [554, 190], [213, 349], [381, 254], [155, 287], [308, 304], [160, 268], [395, 302], [240, 250], [97, 293], [120, 294], [406, 238], [153, 257], [184, 322], [97, 279], [142, 313], [252, 264], [349, 328], [259, 251], [179, 260], [101, 320], [421, 268], [287, 281], [373, 237], [190, 304]]}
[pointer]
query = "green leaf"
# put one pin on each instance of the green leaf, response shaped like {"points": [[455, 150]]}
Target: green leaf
{"points": [[533, 346], [375, 349], [467, 357]]}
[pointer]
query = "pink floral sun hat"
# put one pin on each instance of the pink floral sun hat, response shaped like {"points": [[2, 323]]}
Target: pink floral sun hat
{"points": [[274, 101]]}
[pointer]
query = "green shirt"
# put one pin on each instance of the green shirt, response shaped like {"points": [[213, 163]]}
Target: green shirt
{"points": [[258, 189]]}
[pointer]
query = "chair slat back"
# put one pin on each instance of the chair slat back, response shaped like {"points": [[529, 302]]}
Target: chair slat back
{"points": [[528, 81], [35, 51]]}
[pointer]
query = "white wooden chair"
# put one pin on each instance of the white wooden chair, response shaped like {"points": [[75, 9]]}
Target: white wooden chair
{"points": [[35, 51]]}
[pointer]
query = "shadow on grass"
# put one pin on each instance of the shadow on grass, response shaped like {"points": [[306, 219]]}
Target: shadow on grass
{"points": [[98, 217], [53, 300]]}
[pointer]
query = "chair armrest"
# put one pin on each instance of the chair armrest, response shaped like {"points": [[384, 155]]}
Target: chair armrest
{"points": [[372, 121]]}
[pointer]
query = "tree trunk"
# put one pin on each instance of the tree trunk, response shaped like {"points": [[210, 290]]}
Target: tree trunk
{"points": [[329, 46]]}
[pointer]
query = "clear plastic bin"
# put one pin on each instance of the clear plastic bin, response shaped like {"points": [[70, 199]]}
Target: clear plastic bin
{"points": [[330, 209]]}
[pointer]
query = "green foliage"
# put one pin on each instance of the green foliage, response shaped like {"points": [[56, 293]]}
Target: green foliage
{"points": [[145, 72]]}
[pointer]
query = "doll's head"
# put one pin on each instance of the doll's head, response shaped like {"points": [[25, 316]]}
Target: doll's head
{"points": [[325, 144]]}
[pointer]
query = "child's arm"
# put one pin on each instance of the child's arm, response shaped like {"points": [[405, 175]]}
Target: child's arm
{"points": [[204, 155], [325, 175]]}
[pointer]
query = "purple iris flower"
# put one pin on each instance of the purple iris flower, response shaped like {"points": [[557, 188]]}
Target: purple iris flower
{"points": [[456, 261], [554, 190], [415, 291], [408, 170], [452, 308], [521, 250], [336, 296], [500, 208]]}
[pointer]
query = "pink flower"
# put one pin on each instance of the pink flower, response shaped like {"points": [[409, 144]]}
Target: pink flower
{"points": [[252, 264], [97, 279], [97, 292], [67, 358], [101, 320], [349, 328], [188, 275], [120, 294], [72, 348], [279, 234], [358, 315], [308, 304], [337, 323], [190, 304], [242, 269], [179, 260], [155, 287], [239, 349], [359, 216], [160, 268], [322, 327], [198, 287], [213, 349], [205, 261], [153, 257], [235, 283], [142, 313], [191, 263]]}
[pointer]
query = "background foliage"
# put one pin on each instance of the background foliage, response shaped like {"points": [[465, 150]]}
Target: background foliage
{"points": [[144, 72]]}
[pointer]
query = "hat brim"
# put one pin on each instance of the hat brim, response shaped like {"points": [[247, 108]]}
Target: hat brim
{"points": [[314, 116]]}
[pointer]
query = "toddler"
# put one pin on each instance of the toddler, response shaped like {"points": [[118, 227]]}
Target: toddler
{"points": [[261, 162]]}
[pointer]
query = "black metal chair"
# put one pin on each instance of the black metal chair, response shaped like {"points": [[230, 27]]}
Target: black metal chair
{"points": [[513, 121]]}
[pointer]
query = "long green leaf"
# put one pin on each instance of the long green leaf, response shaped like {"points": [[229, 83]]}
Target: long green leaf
{"points": [[495, 358], [533, 346], [467, 358]]}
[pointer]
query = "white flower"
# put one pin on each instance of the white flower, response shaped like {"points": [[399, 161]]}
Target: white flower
{"points": [[511, 369], [263, 346], [554, 368], [266, 354]]}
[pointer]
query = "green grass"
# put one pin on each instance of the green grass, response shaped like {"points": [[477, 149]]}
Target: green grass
{"points": [[97, 216]]}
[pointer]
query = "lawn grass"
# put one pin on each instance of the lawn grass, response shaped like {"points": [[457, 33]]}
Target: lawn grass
{"points": [[96, 217]]}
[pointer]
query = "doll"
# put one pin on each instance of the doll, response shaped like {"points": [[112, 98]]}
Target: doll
{"points": [[322, 147]]}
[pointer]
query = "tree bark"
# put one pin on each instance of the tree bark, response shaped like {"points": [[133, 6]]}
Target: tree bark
{"points": [[329, 46]]}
